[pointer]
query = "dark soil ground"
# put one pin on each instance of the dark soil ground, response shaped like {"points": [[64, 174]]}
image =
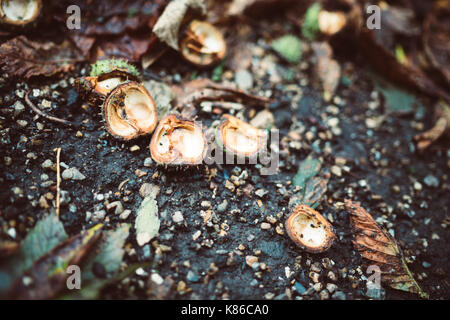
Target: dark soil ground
{"points": [[381, 166]]}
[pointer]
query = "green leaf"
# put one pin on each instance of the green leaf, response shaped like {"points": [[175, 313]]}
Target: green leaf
{"points": [[314, 190], [400, 54], [46, 235], [396, 100], [48, 274], [109, 252], [217, 72], [289, 47], [308, 168], [310, 25], [147, 222]]}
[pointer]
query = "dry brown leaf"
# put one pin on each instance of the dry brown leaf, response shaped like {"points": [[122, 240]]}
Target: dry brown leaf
{"points": [[378, 46], [328, 69], [130, 47], [20, 57], [168, 25], [380, 248], [436, 42], [441, 127], [203, 89]]}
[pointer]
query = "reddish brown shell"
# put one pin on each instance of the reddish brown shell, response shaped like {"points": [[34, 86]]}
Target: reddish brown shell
{"points": [[95, 89], [178, 142], [309, 229], [239, 137], [202, 44], [19, 13], [129, 111]]}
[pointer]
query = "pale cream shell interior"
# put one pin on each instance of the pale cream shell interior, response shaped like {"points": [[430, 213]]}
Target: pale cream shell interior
{"points": [[140, 114], [19, 10], [188, 141], [241, 138], [107, 85], [309, 231], [241, 142], [214, 45]]}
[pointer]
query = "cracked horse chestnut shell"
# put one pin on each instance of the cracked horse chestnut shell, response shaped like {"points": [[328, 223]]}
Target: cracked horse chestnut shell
{"points": [[239, 137], [129, 111], [19, 13], [104, 77], [202, 44], [309, 229], [178, 141]]}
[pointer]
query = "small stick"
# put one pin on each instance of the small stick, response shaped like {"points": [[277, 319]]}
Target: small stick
{"points": [[58, 181], [42, 114]]}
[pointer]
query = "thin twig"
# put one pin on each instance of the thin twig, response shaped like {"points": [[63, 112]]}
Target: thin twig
{"points": [[58, 181], [42, 114]]}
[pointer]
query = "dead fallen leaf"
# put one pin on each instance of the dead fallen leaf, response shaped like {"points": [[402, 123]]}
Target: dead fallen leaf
{"points": [[46, 277], [378, 46], [198, 90], [20, 57], [328, 69], [436, 42], [168, 25], [400, 20], [441, 127], [130, 47], [378, 247]]}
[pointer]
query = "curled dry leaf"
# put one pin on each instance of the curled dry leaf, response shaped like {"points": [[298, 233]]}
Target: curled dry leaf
{"points": [[380, 248], [327, 69], [20, 57], [199, 90], [168, 25], [441, 127], [47, 276], [436, 42]]}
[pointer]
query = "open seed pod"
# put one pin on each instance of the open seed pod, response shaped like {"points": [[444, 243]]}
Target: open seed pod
{"points": [[309, 229], [19, 13], [104, 77], [239, 137], [129, 111], [178, 142], [202, 44]]}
